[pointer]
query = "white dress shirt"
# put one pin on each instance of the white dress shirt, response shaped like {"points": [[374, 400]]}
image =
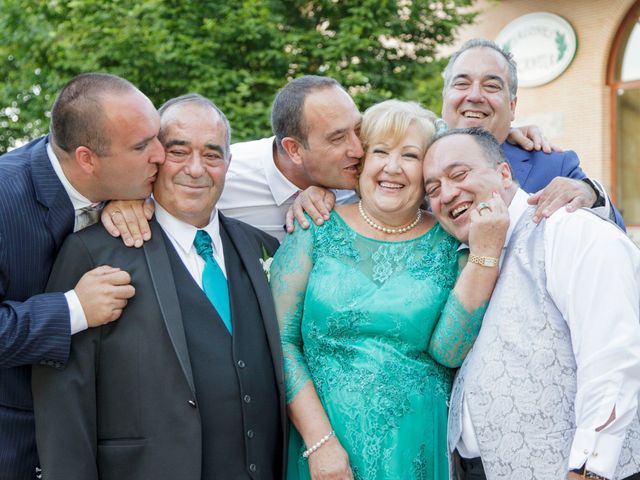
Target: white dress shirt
{"points": [[255, 191], [79, 201], [182, 236], [593, 277]]}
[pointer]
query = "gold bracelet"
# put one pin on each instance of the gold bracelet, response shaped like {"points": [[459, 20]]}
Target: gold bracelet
{"points": [[484, 261]]}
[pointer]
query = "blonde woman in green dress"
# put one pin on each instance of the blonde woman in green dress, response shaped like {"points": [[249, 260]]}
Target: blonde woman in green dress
{"points": [[376, 308]]}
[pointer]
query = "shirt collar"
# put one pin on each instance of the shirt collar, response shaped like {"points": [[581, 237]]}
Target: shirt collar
{"points": [[78, 200], [281, 187], [184, 233]]}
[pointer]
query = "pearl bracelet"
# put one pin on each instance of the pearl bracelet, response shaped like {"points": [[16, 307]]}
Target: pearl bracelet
{"points": [[318, 444]]}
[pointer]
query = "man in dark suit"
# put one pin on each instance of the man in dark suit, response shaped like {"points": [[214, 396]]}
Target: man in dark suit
{"points": [[480, 90], [184, 385], [103, 144]]}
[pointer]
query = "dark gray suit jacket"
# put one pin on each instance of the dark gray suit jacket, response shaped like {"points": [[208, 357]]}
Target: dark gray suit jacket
{"points": [[123, 409]]}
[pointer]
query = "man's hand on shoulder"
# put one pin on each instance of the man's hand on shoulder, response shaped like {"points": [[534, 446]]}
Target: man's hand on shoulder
{"points": [[129, 219], [103, 293], [317, 202], [530, 138], [562, 191]]}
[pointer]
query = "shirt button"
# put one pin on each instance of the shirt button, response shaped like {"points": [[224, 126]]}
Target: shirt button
{"points": [[586, 452], [253, 467], [241, 364], [247, 399], [595, 454], [192, 403], [250, 433]]}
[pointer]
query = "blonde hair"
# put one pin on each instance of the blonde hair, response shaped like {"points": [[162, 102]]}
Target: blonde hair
{"points": [[389, 121]]}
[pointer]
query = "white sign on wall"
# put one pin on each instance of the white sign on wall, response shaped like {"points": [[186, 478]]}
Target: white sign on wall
{"points": [[543, 45]]}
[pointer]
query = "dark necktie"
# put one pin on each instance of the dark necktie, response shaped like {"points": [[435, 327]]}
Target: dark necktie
{"points": [[214, 282]]}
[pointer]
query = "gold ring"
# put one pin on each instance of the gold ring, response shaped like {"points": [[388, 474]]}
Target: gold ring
{"points": [[114, 212], [482, 206]]}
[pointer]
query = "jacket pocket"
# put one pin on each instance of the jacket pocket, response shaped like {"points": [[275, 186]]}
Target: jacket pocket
{"points": [[121, 459]]}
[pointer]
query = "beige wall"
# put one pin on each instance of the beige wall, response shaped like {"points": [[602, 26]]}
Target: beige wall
{"points": [[573, 110]]}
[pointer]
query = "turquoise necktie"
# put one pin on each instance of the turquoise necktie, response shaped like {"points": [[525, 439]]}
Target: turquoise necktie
{"points": [[214, 282]]}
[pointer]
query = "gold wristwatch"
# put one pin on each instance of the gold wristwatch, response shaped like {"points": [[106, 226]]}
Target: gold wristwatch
{"points": [[484, 261]]}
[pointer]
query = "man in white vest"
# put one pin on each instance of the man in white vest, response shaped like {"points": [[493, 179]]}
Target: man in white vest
{"points": [[550, 388]]}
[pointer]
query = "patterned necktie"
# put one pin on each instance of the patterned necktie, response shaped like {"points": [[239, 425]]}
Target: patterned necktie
{"points": [[214, 282], [87, 216]]}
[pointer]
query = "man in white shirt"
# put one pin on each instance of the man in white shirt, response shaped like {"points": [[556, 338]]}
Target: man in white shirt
{"points": [[189, 383], [315, 124], [550, 388], [103, 144]]}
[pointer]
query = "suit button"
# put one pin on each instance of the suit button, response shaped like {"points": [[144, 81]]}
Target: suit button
{"points": [[250, 433], [253, 467], [192, 403], [247, 399], [241, 364]]}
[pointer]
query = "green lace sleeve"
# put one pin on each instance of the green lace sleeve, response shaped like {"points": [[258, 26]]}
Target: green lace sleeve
{"points": [[289, 276], [455, 332], [456, 329]]}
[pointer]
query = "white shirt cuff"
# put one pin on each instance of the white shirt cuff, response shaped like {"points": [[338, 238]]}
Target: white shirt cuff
{"points": [[598, 451], [76, 313]]}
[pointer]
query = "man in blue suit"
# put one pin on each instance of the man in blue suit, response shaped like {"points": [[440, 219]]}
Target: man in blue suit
{"points": [[480, 90], [103, 144]]}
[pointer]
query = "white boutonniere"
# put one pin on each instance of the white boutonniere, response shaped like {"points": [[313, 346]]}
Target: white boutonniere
{"points": [[265, 261]]}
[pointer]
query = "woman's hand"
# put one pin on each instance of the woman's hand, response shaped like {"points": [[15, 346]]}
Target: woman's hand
{"points": [[330, 462], [488, 227]]}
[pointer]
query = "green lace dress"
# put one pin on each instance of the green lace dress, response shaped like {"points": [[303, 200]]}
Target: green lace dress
{"points": [[366, 320]]}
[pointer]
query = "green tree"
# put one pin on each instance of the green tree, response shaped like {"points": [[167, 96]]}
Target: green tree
{"points": [[236, 52]]}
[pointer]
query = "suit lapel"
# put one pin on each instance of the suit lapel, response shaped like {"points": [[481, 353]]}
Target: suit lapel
{"points": [[50, 193], [519, 161], [250, 259], [165, 290]]}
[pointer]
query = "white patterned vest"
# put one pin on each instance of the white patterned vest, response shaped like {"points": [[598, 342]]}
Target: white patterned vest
{"points": [[519, 380]]}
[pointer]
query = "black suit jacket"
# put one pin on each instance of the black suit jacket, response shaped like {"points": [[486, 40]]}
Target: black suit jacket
{"points": [[123, 407]]}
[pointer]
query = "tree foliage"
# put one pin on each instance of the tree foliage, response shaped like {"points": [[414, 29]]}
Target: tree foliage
{"points": [[236, 52]]}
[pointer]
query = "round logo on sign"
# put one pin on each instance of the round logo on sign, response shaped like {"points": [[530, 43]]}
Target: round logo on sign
{"points": [[543, 45]]}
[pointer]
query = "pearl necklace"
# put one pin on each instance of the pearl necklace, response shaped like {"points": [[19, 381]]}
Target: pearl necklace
{"points": [[392, 231]]}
